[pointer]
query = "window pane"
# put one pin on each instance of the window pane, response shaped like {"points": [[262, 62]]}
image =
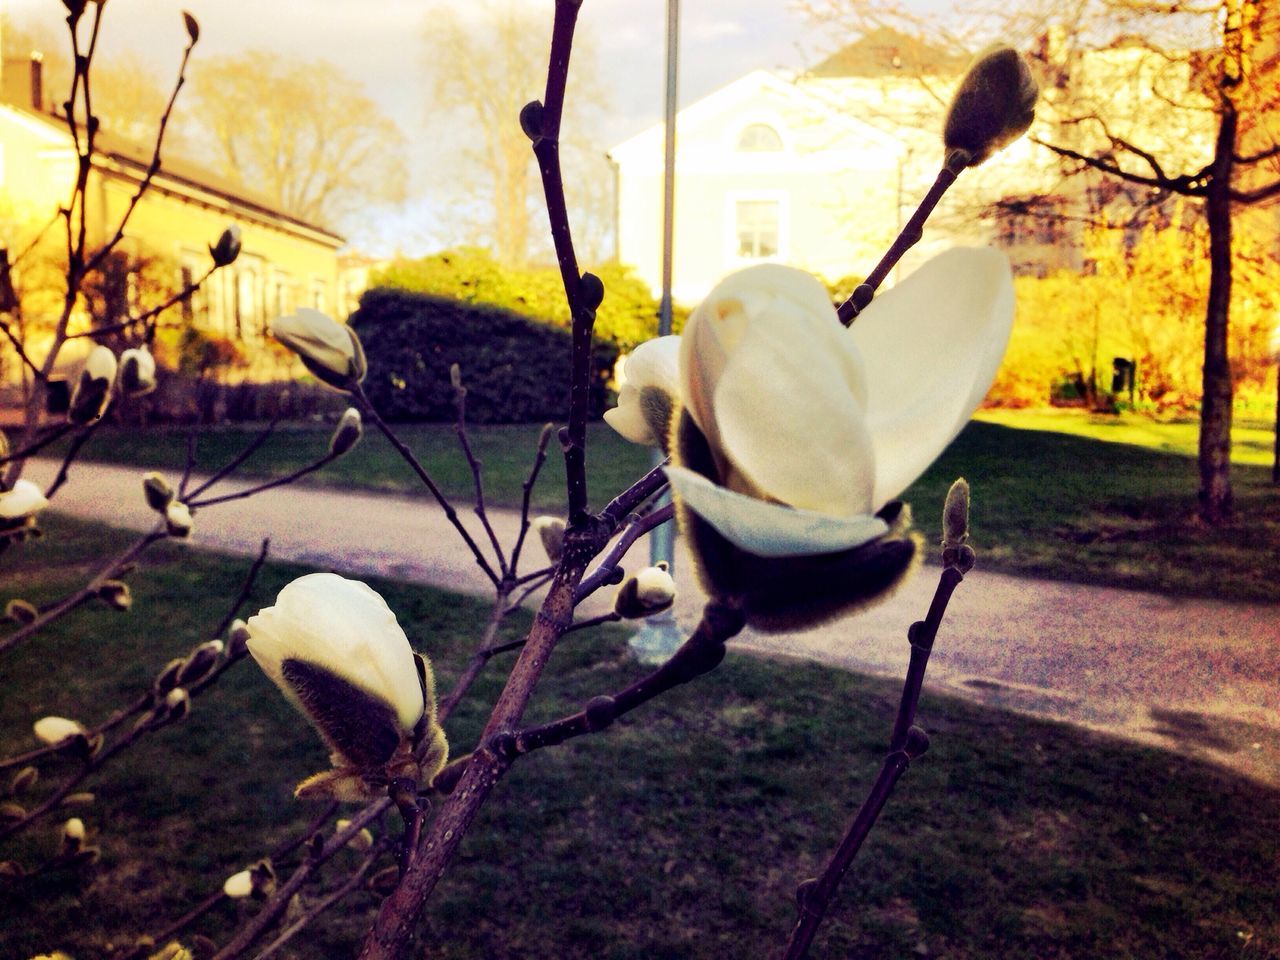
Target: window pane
{"points": [[758, 228], [758, 138]]}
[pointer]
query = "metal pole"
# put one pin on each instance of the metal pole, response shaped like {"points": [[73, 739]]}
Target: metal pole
{"points": [[660, 636]]}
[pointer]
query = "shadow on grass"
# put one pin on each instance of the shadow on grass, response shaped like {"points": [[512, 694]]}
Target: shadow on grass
{"points": [[678, 833]]}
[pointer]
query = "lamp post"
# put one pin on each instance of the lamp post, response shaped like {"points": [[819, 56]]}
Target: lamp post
{"points": [[654, 642]]}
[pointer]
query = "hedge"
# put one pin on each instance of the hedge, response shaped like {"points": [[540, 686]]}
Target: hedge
{"points": [[515, 369]]}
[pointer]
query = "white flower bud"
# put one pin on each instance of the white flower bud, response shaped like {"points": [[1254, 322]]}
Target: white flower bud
{"points": [[92, 392], [993, 106], [116, 593], [225, 251], [347, 433], [56, 730], [25, 499], [362, 841], [177, 517], [73, 829], [237, 638], [333, 646], [137, 372], [551, 531], [648, 392], [646, 592], [157, 491], [21, 611], [178, 703], [330, 350], [238, 885]]}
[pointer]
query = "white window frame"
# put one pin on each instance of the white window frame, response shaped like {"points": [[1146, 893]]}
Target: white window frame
{"points": [[732, 199]]}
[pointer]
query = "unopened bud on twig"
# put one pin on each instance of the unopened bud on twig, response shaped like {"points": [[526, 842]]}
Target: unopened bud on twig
{"points": [[237, 638], [116, 593], [21, 611], [551, 531], [193, 27], [993, 106], [956, 551], [330, 350], [362, 841], [177, 517], [54, 731], [92, 392], [648, 591], [225, 251], [177, 703], [23, 780], [200, 664], [137, 372], [238, 885], [347, 434], [157, 490], [72, 836]]}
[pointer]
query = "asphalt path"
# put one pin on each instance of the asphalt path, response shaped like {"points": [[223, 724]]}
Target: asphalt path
{"points": [[1198, 676]]}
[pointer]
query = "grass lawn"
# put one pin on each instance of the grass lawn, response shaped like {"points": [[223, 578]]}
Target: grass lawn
{"points": [[678, 833], [1057, 494]]}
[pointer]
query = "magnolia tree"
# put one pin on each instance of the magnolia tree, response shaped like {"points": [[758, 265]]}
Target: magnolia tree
{"points": [[789, 428]]}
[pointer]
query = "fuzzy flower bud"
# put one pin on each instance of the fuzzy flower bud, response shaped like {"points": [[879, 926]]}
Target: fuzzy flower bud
{"points": [[335, 650], [72, 836], [237, 638], [225, 251], [646, 592], [92, 392], [23, 780], [157, 490], [177, 517], [177, 704], [955, 514], [56, 730], [25, 499], [551, 531], [362, 841], [137, 372], [330, 350], [198, 666], [116, 593], [993, 106], [21, 611], [347, 434], [238, 885]]}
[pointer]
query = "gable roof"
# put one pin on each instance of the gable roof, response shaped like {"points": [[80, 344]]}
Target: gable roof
{"points": [[888, 52], [123, 158]]}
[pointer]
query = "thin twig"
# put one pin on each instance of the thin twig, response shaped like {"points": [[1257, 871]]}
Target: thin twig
{"points": [[72, 452], [539, 458], [477, 474], [606, 570], [235, 462], [150, 314], [408, 456], [906, 743], [907, 238], [298, 474], [61, 430]]}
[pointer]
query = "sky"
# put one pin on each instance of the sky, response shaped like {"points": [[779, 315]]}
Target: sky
{"points": [[380, 43]]}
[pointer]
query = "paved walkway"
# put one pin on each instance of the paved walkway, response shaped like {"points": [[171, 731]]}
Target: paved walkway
{"points": [[1195, 675]]}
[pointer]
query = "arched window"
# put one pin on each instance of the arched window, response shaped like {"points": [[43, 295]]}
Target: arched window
{"points": [[759, 138]]}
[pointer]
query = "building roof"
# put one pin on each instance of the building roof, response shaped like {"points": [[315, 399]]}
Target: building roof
{"points": [[888, 52], [123, 157]]}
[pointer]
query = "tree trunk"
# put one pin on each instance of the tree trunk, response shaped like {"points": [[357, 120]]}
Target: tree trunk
{"points": [[1215, 405]]}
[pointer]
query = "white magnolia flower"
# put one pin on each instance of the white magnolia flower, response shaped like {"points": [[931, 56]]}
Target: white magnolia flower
{"points": [[25, 499], [54, 730], [177, 517], [92, 391], [137, 372], [650, 374], [238, 885], [813, 428], [347, 433], [329, 349], [323, 625]]}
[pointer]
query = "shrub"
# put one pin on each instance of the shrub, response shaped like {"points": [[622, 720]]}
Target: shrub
{"points": [[513, 366], [628, 315]]}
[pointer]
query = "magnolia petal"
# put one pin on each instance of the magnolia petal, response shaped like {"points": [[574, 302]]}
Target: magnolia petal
{"points": [[628, 419], [789, 418], [23, 500], [770, 529], [345, 627], [933, 343]]}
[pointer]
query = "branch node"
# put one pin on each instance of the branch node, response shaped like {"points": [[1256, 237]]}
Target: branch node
{"points": [[600, 712], [917, 743], [531, 120]]}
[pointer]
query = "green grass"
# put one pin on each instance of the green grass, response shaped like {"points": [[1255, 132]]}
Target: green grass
{"points": [[678, 833], [1057, 494]]}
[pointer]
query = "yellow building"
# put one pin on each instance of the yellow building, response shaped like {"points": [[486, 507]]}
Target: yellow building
{"points": [[285, 262]]}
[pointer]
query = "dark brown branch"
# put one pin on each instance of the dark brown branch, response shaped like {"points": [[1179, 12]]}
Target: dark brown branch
{"points": [[1252, 158], [700, 654], [235, 462], [1256, 196], [150, 314], [298, 474], [652, 483], [906, 743], [907, 238], [606, 570], [477, 473], [1186, 186], [61, 430], [541, 121], [72, 452]]}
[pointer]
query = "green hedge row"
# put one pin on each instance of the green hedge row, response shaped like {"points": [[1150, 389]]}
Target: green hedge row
{"points": [[514, 368]]}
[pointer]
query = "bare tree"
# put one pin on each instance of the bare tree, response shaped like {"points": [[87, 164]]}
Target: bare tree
{"points": [[484, 70], [1172, 97], [302, 133]]}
